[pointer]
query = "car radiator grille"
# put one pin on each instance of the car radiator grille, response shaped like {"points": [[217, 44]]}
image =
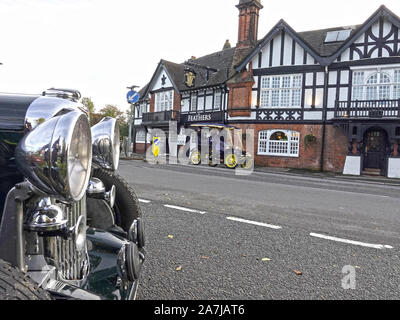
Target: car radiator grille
{"points": [[71, 264]]}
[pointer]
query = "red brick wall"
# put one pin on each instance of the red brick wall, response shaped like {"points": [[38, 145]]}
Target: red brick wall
{"points": [[240, 98], [335, 148], [140, 148]]}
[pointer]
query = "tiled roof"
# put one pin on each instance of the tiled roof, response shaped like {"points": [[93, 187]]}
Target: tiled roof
{"points": [[316, 39]]}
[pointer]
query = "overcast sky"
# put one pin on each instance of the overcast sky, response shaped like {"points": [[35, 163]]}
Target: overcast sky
{"points": [[102, 46]]}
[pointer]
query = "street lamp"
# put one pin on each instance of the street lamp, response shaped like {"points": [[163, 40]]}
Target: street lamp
{"points": [[130, 121]]}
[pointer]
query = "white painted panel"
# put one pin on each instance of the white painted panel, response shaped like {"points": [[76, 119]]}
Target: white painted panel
{"points": [[330, 115], [387, 27], [254, 99], [276, 59], [346, 55], [375, 29], [313, 115], [374, 53], [308, 98], [287, 58], [332, 77], [252, 117], [331, 97], [158, 84], [255, 82], [319, 98], [265, 56], [299, 54], [320, 78], [385, 53], [360, 39], [356, 55], [344, 77], [309, 79], [254, 62], [310, 59]]}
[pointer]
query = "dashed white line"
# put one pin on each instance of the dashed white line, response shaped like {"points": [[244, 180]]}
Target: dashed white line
{"points": [[184, 209], [356, 243], [144, 201], [260, 224]]}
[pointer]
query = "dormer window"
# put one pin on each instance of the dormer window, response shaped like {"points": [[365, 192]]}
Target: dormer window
{"points": [[337, 36]]}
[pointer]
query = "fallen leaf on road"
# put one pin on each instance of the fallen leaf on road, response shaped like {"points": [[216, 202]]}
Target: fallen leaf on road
{"points": [[179, 268], [171, 236], [265, 259], [299, 273], [205, 257], [244, 255]]}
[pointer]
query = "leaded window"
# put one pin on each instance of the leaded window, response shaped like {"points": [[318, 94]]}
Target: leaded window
{"points": [[281, 91], [382, 85], [282, 143], [164, 101]]}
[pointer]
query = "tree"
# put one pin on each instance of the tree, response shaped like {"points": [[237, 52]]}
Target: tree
{"points": [[88, 103], [113, 112]]}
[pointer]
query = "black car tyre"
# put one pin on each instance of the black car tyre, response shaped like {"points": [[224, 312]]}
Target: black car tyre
{"points": [[127, 208], [15, 285]]}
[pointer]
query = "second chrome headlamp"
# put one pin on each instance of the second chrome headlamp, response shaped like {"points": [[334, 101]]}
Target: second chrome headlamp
{"points": [[106, 144]]}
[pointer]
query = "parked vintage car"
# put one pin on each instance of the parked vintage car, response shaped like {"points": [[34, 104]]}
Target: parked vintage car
{"points": [[224, 144], [71, 227]]}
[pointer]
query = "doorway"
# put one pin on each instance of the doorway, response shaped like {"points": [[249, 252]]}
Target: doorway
{"points": [[375, 151]]}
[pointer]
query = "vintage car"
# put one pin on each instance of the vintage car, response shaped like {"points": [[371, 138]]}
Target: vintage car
{"points": [[225, 145], [70, 226]]}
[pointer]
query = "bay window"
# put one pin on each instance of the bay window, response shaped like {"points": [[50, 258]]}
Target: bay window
{"points": [[282, 143], [376, 85]]}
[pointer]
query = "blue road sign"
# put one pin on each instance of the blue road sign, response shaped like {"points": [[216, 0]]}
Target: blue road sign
{"points": [[132, 96]]}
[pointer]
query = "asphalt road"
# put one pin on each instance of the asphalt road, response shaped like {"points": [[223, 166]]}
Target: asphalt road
{"points": [[295, 237]]}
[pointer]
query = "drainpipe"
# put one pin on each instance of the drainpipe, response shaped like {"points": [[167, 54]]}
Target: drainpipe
{"points": [[324, 117]]}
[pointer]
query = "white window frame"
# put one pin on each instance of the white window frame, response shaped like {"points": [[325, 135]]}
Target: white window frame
{"points": [[164, 101], [360, 88], [141, 138], [277, 89], [289, 148]]}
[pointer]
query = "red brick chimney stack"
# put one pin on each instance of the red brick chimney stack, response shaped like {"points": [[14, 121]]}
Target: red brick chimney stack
{"points": [[248, 22]]}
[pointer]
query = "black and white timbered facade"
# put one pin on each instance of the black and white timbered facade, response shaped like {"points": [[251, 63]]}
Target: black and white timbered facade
{"points": [[325, 99]]}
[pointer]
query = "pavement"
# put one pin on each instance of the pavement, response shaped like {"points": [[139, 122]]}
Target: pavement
{"points": [[272, 235]]}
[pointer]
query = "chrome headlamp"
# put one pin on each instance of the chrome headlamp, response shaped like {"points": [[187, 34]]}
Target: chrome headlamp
{"points": [[106, 144], [56, 157]]}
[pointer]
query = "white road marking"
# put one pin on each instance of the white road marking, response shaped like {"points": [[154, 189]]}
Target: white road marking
{"points": [[260, 224], [144, 201], [184, 209], [357, 243]]}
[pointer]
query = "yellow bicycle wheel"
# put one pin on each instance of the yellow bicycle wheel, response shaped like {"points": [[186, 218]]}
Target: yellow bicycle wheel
{"points": [[231, 161], [247, 163], [195, 158]]}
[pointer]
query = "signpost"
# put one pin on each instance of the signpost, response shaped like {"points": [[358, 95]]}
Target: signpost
{"points": [[132, 97]]}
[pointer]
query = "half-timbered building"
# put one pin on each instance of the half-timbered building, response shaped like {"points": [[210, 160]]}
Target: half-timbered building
{"points": [[322, 100]]}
